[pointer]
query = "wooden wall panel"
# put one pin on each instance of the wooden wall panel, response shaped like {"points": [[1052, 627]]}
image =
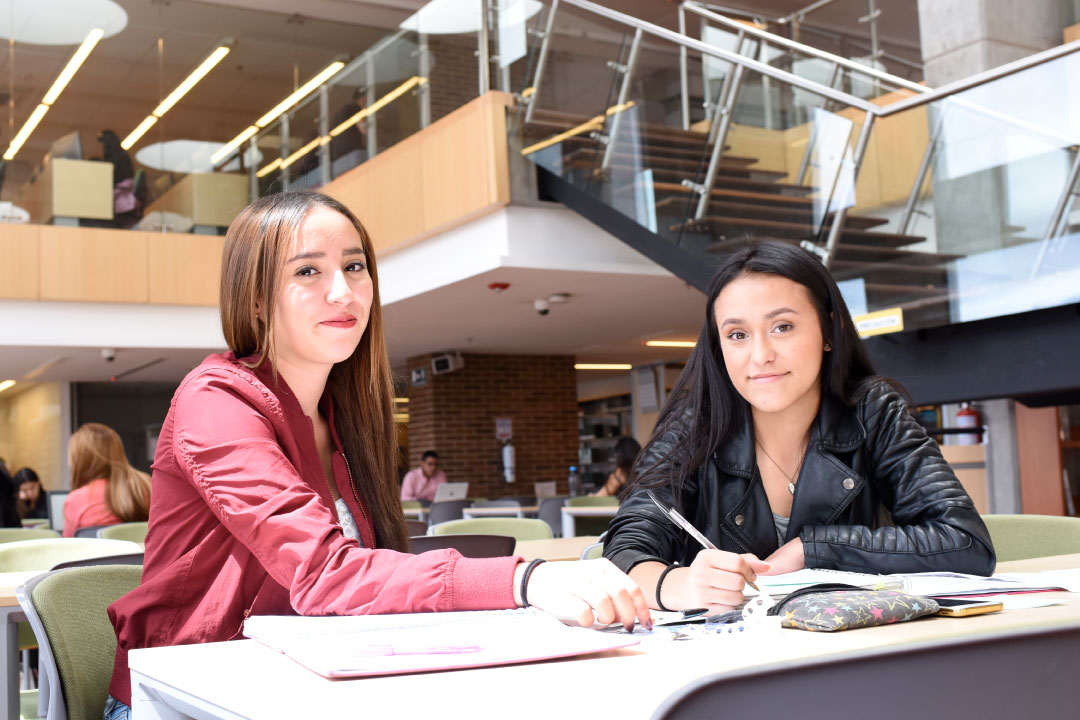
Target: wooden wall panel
{"points": [[19, 248], [184, 269], [89, 265], [395, 203], [969, 464], [1041, 487]]}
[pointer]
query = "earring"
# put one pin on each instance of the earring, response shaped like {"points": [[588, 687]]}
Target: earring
{"points": [[828, 347]]}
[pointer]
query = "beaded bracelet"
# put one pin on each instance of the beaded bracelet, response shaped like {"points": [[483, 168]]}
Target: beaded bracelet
{"points": [[525, 580], [659, 582]]}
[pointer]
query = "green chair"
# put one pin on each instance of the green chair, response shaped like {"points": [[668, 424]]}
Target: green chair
{"points": [[67, 609], [592, 552], [1019, 537], [133, 531], [16, 534], [518, 528], [45, 553], [592, 526]]}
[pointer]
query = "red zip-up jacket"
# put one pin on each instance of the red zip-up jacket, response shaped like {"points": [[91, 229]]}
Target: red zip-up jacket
{"points": [[242, 523]]}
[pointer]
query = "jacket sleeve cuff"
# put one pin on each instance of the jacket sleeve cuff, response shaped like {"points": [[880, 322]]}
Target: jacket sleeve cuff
{"points": [[483, 583]]}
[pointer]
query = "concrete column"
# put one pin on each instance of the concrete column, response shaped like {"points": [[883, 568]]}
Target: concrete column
{"points": [[1002, 456]]}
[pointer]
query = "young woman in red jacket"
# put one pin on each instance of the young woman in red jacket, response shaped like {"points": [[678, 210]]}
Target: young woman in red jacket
{"points": [[274, 485]]}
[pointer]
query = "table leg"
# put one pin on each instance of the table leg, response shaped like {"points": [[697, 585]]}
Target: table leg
{"points": [[567, 525], [9, 661]]}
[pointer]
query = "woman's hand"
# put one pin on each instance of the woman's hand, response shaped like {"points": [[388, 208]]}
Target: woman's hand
{"points": [[787, 558], [715, 580], [585, 592]]}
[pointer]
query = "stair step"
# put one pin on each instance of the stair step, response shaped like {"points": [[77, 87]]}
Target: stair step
{"points": [[849, 251], [719, 226], [755, 198], [785, 214], [588, 157], [732, 183]]}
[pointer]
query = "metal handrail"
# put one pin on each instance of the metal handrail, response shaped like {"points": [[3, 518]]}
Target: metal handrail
{"points": [[774, 39], [726, 55]]}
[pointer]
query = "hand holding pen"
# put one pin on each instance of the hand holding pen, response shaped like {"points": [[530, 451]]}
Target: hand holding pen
{"points": [[715, 579]]}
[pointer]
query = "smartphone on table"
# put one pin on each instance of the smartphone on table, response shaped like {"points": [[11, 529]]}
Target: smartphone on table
{"points": [[961, 607]]}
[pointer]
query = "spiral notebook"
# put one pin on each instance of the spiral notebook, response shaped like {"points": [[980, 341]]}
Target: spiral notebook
{"points": [[359, 646]]}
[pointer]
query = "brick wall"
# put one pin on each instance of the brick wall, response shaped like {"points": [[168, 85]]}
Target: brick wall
{"points": [[454, 414]]}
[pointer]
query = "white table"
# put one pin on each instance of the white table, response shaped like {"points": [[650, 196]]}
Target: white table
{"points": [[243, 679], [570, 514], [554, 549], [10, 616], [500, 511]]}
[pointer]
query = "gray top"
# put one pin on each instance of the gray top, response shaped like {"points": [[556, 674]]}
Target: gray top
{"points": [[781, 523], [348, 522]]}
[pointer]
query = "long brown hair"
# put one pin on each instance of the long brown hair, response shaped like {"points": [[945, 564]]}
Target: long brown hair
{"points": [[95, 452], [362, 388]]}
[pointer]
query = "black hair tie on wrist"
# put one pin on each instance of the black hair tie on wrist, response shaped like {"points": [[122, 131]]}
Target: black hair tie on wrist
{"points": [[525, 580], [660, 581]]}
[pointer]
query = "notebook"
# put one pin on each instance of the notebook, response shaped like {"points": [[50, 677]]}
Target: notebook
{"points": [[359, 646], [451, 491]]}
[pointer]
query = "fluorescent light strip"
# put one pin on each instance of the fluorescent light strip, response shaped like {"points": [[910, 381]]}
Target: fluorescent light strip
{"points": [[305, 150], [224, 151], [671, 343], [401, 400], [603, 366], [134, 135], [58, 86], [24, 132], [191, 80], [300, 93], [6, 384], [73, 65], [305, 89], [269, 168]]}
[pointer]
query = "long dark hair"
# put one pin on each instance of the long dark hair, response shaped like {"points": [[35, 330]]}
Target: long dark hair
{"points": [[362, 388], [704, 407]]}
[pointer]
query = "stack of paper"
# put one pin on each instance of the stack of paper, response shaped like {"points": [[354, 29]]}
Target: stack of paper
{"points": [[932, 584], [355, 646]]}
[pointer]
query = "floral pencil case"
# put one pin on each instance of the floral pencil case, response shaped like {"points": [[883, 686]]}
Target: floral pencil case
{"points": [[829, 607]]}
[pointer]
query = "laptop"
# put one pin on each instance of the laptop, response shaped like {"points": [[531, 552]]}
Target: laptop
{"points": [[54, 502], [451, 491]]}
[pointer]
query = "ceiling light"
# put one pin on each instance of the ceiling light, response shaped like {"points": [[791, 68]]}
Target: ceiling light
{"points": [[59, 22], [232, 145], [671, 343], [401, 400], [134, 135], [269, 168], [603, 366], [300, 93], [6, 384], [58, 86]]}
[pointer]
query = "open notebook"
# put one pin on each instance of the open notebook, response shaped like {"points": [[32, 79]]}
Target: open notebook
{"points": [[356, 646], [933, 584]]}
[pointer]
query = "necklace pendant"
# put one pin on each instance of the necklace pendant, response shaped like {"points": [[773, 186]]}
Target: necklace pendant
{"points": [[791, 488]]}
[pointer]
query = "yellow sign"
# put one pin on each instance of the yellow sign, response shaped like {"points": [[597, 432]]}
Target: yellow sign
{"points": [[880, 322]]}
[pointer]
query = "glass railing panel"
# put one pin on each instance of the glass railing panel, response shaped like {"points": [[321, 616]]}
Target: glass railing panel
{"points": [[992, 229], [452, 31]]}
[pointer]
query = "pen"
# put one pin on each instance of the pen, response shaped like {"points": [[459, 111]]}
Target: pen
{"points": [[682, 522]]}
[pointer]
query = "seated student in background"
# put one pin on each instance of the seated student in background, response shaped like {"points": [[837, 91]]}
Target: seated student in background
{"points": [[31, 500], [420, 483], [274, 483], [782, 446], [105, 488], [626, 451], [9, 513]]}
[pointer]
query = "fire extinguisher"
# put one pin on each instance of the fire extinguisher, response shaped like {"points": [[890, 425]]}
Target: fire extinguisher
{"points": [[968, 417]]}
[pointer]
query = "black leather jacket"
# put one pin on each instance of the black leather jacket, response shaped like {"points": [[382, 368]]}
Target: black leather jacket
{"points": [[874, 495]]}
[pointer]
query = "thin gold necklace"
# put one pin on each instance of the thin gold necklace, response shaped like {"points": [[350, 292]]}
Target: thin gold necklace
{"points": [[802, 456]]}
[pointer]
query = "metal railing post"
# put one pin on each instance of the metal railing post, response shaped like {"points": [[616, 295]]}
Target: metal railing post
{"points": [[705, 101], [804, 164], [624, 95], [1057, 218], [370, 129], [837, 226], [324, 131], [726, 110], [424, 91], [253, 168], [285, 151], [482, 49], [684, 80], [920, 176], [541, 61]]}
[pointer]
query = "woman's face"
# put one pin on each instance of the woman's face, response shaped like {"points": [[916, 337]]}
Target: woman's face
{"points": [[29, 492], [771, 339], [325, 294]]}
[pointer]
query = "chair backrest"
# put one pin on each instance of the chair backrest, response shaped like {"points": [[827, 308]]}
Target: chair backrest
{"points": [[67, 609], [592, 552], [416, 527], [592, 501], [519, 528], [131, 559], [550, 513], [410, 505], [45, 554], [1019, 537], [16, 534], [474, 546], [447, 510], [133, 531], [497, 503], [1041, 682], [90, 531]]}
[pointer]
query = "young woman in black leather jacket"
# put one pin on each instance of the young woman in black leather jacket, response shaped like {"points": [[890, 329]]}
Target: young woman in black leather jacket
{"points": [[784, 448]]}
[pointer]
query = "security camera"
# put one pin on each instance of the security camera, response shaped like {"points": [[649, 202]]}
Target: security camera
{"points": [[541, 307], [109, 354]]}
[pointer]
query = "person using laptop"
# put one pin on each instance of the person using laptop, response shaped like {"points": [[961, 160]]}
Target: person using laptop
{"points": [[420, 483], [275, 485], [785, 450]]}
